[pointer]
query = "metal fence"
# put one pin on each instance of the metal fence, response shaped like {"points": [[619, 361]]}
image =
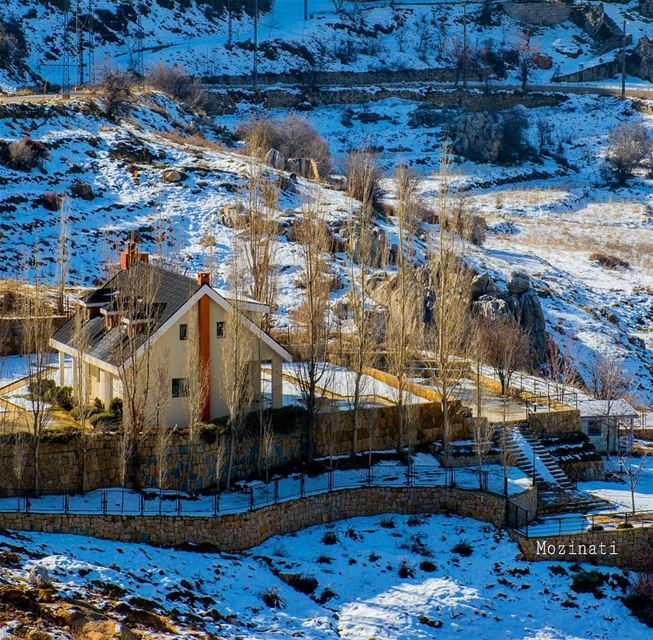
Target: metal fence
{"points": [[575, 523], [155, 502]]}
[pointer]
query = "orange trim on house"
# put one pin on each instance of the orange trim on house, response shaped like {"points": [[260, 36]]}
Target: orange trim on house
{"points": [[204, 331]]}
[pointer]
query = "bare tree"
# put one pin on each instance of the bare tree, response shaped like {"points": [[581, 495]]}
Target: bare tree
{"points": [[560, 371], [219, 460], [610, 382], [163, 432], [136, 305], [195, 392], [405, 308], [313, 319], [506, 347], [37, 329], [363, 338], [527, 54], [238, 348], [267, 446], [631, 467], [20, 456], [80, 340], [63, 258], [448, 337], [629, 145], [260, 241]]}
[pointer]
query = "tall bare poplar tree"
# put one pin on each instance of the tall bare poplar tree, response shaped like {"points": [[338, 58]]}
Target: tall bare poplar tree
{"points": [[449, 338], [37, 329], [312, 319], [238, 348], [197, 386], [363, 337], [63, 257], [405, 308]]}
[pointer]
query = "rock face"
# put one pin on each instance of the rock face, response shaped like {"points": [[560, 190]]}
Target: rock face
{"points": [[520, 299], [81, 189], [304, 167], [275, 159], [490, 137], [644, 51], [233, 215]]}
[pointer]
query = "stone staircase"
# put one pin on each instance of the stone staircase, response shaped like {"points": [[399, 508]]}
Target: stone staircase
{"points": [[556, 493]]}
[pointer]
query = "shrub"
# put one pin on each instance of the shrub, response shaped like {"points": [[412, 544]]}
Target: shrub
{"points": [[427, 566], [387, 523], [628, 146], [373, 557], [272, 598], [324, 559], [179, 84], [115, 89], [302, 583], [463, 549], [43, 389], [64, 397], [589, 582], [609, 261], [115, 406], [363, 176], [330, 538], [98, 405], [405, 570], [104, 419], [12, 43], [293, 137], [326, 595]]}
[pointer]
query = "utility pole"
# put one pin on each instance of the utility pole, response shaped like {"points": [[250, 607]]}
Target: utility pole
{"points": [[465, 45], [65, 50], [230, 25], [305, 9], [623, 62], [255, 68]]}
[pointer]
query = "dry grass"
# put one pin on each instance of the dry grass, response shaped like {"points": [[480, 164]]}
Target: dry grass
{"points": [[191, 139]]}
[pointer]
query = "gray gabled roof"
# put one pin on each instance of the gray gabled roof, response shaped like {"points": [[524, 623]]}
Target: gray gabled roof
{"points": [[172, 291]]}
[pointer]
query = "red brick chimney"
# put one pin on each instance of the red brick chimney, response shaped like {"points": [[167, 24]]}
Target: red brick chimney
{"points": [[131, 255], [204, 277]]}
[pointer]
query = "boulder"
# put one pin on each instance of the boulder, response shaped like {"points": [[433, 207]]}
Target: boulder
{"points": [[173, 176], [304, 167], [483, 285], [491, 307], [39, 577], [519, 282], [233, 215], [275, 159], [644, 54], [81, 189]]}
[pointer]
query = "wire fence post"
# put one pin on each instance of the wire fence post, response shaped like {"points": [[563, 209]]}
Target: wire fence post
{"points": [[369, 475], [302, 487], [276, 491], [104, 502], [216, 505], [330, 480], [66, 503], [141, 503], [27, 504], [251, 498], [178, 504]]}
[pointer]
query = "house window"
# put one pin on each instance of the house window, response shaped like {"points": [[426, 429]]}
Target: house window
{"points": [[219, 329], [594, 428], [180, 387], [183, 332]]}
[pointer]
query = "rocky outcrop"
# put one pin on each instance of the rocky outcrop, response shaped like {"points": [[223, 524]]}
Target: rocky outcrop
{"points": [[519, 299], [490, 137], [173, 176], [644, 57], [275, 159], [233, 215], [304, 167]]}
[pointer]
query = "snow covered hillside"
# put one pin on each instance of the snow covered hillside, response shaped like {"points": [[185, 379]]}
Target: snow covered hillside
{"points": [[390, 578], [382, 35]]}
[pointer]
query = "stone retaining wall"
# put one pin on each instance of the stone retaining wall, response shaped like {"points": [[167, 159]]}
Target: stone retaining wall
{"points": [[237, 532], [552, 422], [625, 548], [61, 462], [543, 13]]}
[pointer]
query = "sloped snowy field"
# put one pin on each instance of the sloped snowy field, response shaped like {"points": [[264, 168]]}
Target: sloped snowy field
{"points": [[488, 595]]}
